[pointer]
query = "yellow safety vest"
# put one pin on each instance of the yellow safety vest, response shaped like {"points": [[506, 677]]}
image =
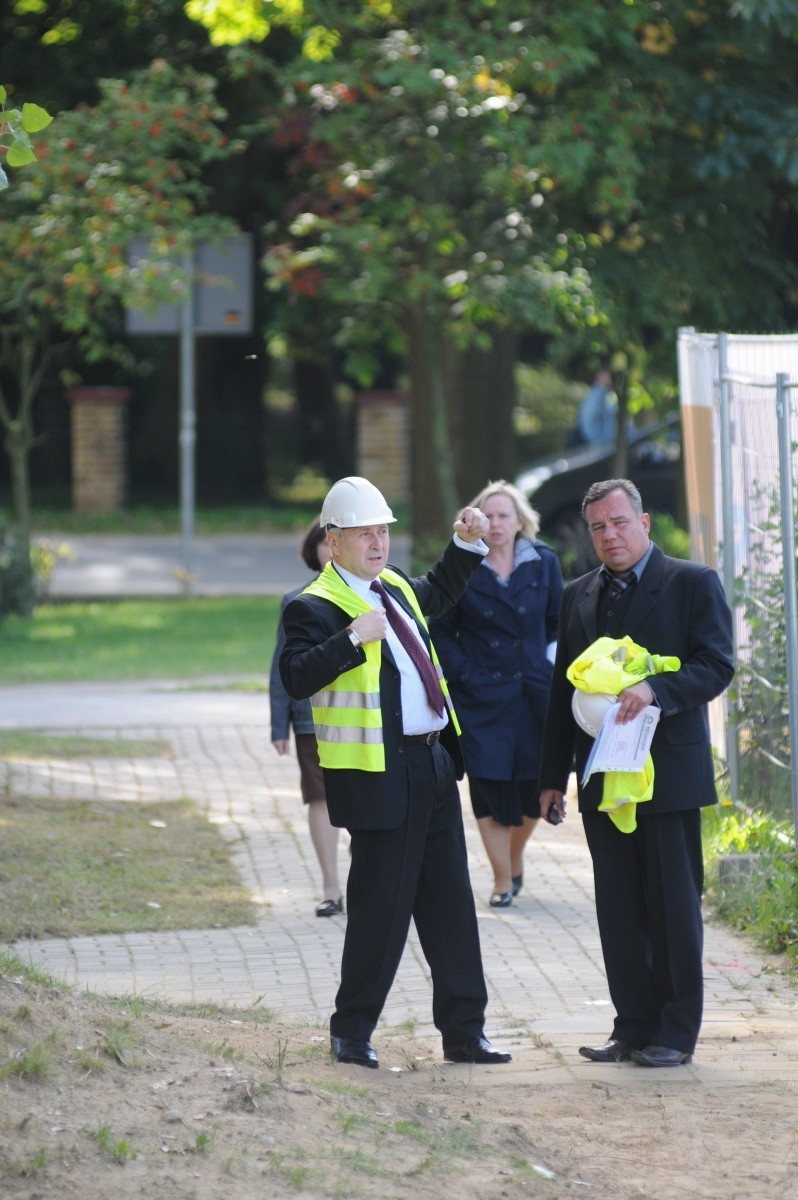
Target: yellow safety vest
{"points": [[347, 714], [609, 665]]}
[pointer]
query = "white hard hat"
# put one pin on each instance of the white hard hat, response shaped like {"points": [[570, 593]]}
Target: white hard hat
{"points": [[354, 501], [590, 709]]}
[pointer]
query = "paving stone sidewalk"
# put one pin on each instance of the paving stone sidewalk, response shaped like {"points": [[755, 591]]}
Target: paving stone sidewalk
{"points": [[542, 956]]}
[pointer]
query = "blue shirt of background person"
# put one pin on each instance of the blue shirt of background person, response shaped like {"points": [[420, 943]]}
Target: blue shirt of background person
{"points": [[598, 416]]}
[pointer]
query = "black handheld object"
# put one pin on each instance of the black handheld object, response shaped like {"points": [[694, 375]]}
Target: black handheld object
{"points": [[554, 816]]}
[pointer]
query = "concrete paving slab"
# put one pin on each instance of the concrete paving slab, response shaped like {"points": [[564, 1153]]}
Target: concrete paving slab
{"points": [[113, 566], [542, 956]]}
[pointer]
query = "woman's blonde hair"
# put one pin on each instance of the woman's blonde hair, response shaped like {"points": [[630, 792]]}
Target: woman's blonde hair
{"points": [[530, 520]]}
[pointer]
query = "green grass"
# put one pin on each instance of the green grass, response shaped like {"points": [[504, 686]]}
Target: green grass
{"points": [[33, 1062], [70, 868], [762, 901], [27, 744], [12, 964], [118, 1149], [140, 639]]}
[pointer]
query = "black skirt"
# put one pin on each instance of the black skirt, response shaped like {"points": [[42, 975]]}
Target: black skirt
{"points": [[507, 801]]}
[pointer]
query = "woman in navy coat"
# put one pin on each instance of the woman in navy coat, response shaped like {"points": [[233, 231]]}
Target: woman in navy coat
{"points": [[496, 647]]}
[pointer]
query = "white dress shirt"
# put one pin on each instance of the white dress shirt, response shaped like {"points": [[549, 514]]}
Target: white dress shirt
{"points": [[417, 715]]}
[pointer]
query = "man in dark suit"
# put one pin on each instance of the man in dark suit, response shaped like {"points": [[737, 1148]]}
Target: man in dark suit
{"points": [[357, 643], [648, 882]]}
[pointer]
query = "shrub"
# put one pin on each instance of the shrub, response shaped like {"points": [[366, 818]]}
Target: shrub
{"points": [[17, 577], [669, 536], [762, 901]]}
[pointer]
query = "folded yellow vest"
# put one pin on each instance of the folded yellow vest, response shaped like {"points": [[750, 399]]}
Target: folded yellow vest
{"points": [[609, 665]]}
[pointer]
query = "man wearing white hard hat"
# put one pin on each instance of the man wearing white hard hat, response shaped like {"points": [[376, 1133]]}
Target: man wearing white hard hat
{"points": [[357, 644], [648, 873]]}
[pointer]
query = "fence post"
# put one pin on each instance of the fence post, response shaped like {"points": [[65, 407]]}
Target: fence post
{"points": [[188, 423], [727, 495], [787, 499]]}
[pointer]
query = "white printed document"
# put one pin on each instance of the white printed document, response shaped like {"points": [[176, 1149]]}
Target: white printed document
{"points": [[622, 747]]}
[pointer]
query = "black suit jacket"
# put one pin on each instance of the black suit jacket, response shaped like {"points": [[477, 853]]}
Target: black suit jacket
{"points": [[317, 650], [676, 608]]}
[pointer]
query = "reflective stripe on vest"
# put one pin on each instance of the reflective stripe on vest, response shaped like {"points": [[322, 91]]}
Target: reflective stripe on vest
{"points": [[346, 713]]}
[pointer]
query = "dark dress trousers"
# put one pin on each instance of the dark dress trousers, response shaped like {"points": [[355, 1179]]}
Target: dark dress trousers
{"points": [[649, 883], [408, 843]]}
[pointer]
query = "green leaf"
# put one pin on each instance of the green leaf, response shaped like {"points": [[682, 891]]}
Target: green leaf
{"points": [[34, 118], [3, 179], [3, 94], [19, 155]]}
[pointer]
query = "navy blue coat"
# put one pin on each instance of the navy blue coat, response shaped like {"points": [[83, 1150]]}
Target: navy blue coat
{"points": [[286, 712], [492, 645]]}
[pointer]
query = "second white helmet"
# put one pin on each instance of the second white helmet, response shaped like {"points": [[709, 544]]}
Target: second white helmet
{"points": [[590, 709], [354, 501]]}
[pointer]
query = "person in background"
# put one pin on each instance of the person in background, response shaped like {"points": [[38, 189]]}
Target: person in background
{"points": [[648, 881], [357, 642], [597, 421], [286, 713], [497, 647]]}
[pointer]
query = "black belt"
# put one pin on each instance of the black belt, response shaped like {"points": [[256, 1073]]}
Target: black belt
{"points": [[422, 739]]}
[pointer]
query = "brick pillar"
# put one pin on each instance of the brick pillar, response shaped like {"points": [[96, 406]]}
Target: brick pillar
{"points": [[383, 441], [99, 476]]}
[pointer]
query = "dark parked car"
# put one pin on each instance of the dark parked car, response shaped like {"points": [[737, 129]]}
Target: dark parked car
{"points": [[556, 485]]}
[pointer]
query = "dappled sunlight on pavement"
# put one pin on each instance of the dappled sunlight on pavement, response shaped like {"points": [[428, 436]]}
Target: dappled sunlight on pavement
{"points": [[542, 956]]}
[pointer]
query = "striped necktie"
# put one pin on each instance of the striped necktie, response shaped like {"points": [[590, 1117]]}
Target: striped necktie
{"points": [[421, 660], [617, 584]]}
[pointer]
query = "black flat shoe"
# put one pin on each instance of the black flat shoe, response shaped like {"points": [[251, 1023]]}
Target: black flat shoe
{"points": [[518, 883], [476, 1050], [330, 908], [354, 1050], [613, 1051], [501, 900], [660, 1056]]}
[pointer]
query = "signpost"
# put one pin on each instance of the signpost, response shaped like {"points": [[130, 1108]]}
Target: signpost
{"points": [[218, 302]]}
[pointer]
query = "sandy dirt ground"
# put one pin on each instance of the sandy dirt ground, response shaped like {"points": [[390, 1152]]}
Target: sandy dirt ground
{"points": [[217, 1106]]}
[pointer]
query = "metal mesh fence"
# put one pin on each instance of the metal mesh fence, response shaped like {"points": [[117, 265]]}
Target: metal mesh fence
{"points": [[759, 696], [739, 407]]}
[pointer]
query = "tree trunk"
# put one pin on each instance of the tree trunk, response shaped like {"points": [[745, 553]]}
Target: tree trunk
{"points": [[26, 362], [17, 445], [481, 395], [433, 488], [620, 382]]}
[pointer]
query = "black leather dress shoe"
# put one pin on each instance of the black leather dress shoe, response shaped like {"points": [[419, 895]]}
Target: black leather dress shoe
{"points": [[612, 1051], [660, 1056], [501, 900], [476, 1050], [354, 1050]]}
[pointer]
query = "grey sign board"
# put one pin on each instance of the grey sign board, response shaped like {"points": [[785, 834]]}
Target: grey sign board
{"points": [[222, 297]]}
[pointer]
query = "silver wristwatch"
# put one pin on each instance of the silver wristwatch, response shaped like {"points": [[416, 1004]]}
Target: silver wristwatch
{"points": [[354, 637]]}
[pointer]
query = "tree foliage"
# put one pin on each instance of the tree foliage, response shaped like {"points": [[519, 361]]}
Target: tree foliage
{"points": [[17, 125], [431, 211], [456, 172], [129, 166], [705, 240]]}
